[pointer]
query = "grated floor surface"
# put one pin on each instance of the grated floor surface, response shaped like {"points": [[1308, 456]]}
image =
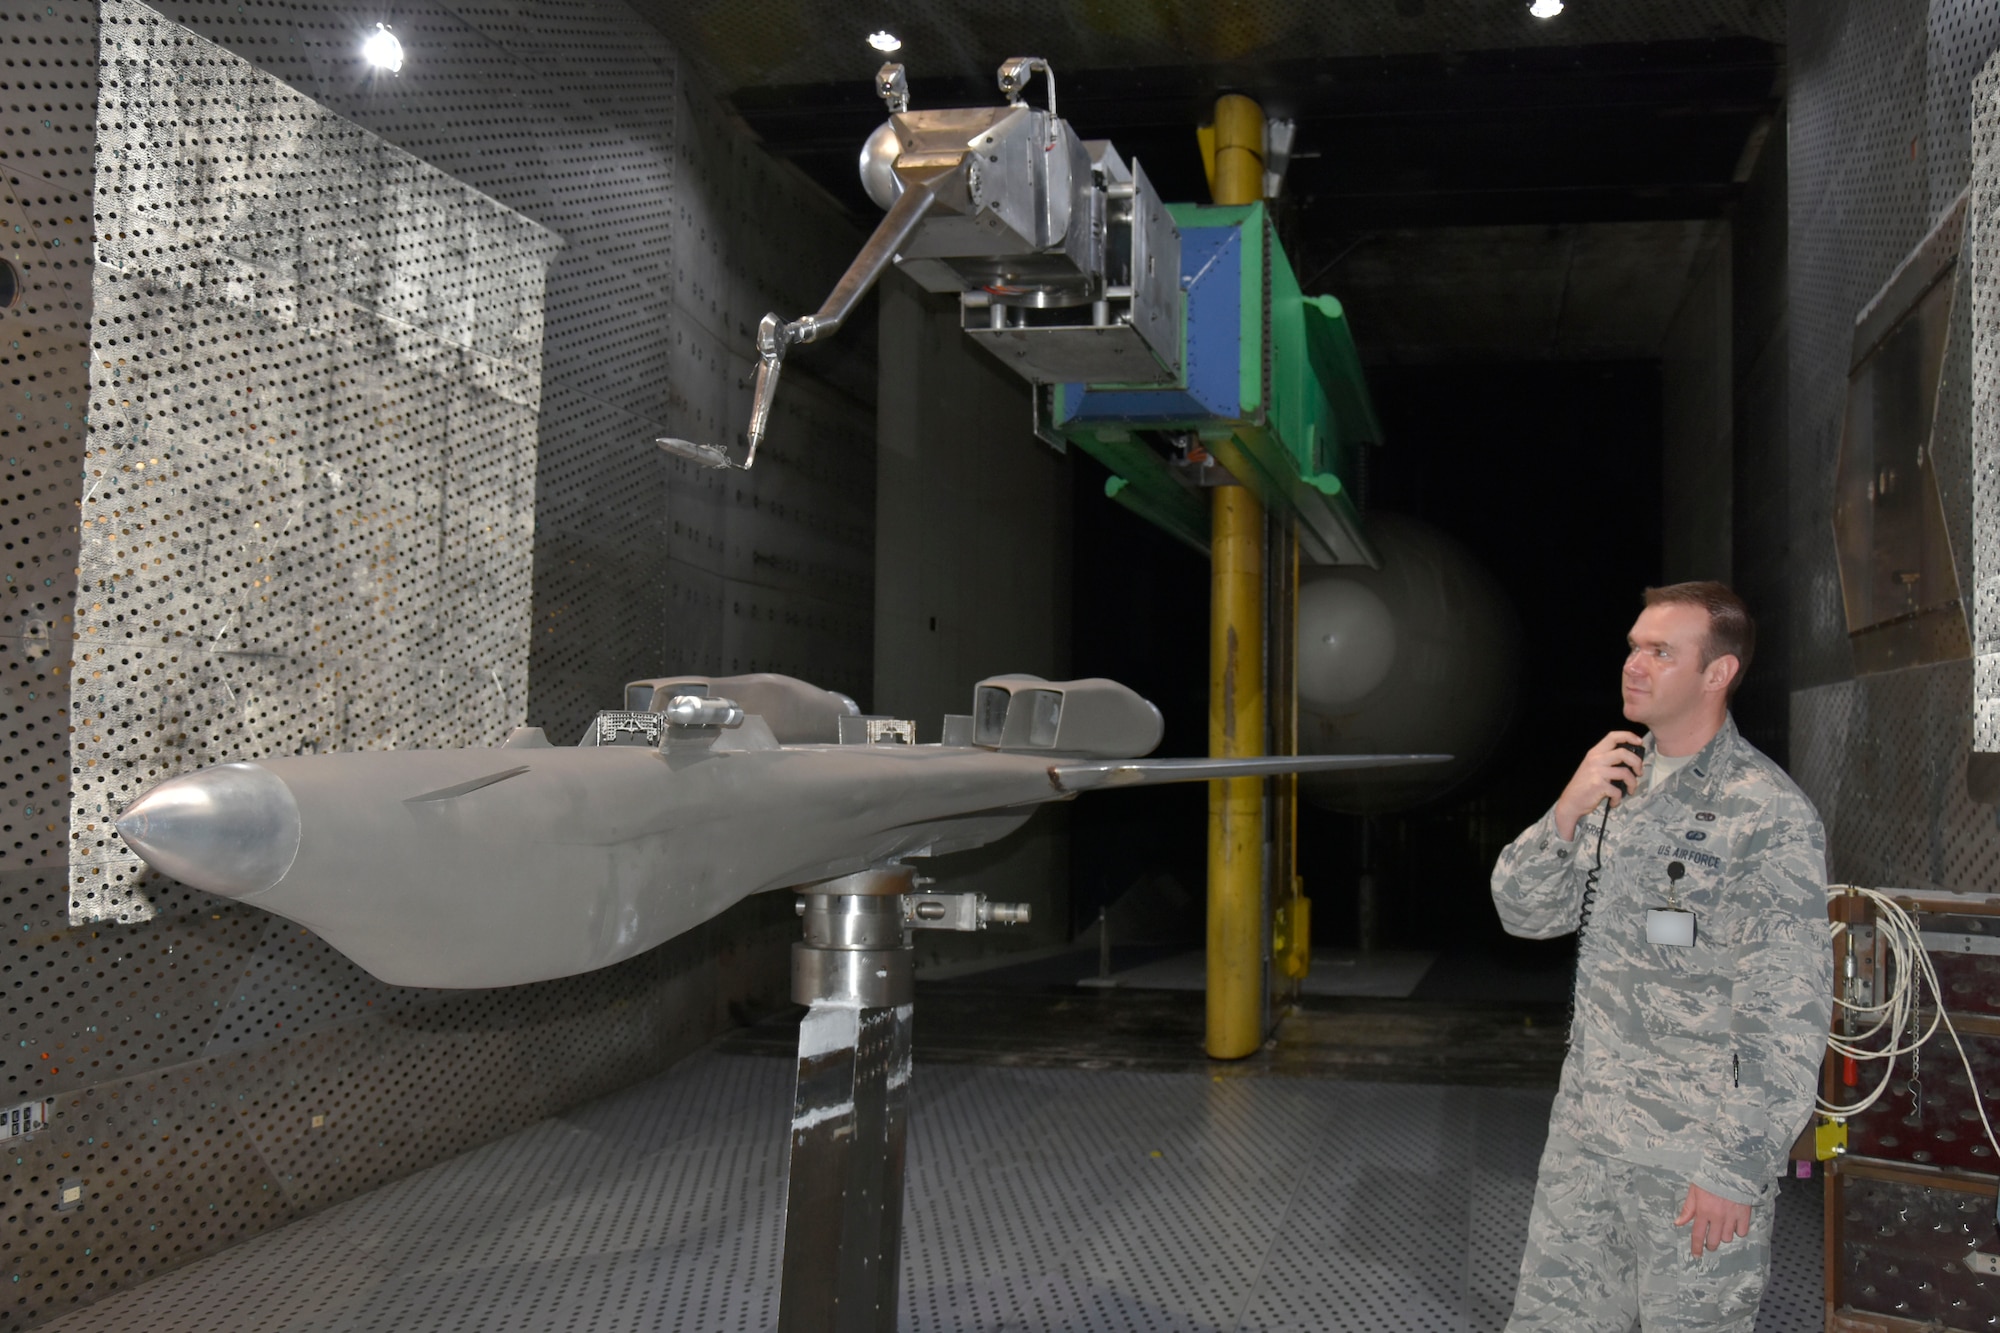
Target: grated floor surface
{"points": [[1386, 973], [1056, 1199]]}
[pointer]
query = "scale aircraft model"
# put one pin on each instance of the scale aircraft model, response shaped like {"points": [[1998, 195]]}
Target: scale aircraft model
{"points": [[528, 861]]}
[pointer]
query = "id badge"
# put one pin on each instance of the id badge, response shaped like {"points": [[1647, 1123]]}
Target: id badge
{"points": [[1664, 926]]}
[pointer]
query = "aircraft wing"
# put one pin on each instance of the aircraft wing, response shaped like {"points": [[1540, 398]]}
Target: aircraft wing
{"points": [[1090, 775]]}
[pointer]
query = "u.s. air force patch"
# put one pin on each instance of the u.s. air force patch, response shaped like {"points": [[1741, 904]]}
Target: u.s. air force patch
{"points": [[1691, 855]]}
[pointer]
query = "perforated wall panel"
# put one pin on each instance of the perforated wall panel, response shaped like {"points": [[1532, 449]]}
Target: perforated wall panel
{"points": [[1891, 120], [1884, 140], [46, 145], [45, 152], [213, 1071], [1867, 183], [1981, 263], [1883, 757], [309, 496], [1934, 1121]]}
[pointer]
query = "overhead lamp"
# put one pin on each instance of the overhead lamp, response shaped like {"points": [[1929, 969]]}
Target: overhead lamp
{"points": [[382, 50], [888, 43], [1546, 9]]}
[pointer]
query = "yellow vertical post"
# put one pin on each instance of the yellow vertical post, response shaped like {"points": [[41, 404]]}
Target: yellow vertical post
{"points": [[1236, 806], [1291, 914], [1236, 682]]}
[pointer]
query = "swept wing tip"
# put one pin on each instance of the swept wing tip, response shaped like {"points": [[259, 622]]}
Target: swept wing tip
{"points": [[1084, 776]]}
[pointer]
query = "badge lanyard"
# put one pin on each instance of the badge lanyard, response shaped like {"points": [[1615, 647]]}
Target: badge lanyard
{"points": [[1671, 925]]}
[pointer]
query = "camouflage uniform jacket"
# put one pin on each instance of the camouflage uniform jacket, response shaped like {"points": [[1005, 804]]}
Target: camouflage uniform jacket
{"points": [[1700, 1060]]}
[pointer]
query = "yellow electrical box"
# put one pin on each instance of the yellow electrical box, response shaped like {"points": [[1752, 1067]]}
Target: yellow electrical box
{"points": [[1830, 1139]]}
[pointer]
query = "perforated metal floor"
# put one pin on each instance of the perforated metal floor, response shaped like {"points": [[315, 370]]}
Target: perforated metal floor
{"points": [[1038, 1199], [1386, 973]]}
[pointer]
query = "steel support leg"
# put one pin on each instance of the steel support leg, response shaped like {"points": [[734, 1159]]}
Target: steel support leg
{"points": [[844, 1199], [844, 1194]]}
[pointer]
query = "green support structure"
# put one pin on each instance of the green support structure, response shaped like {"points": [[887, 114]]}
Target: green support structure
{"points": [[1289, 425]]}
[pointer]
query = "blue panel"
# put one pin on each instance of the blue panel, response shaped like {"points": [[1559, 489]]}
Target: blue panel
{"points": [[1212, 274]]}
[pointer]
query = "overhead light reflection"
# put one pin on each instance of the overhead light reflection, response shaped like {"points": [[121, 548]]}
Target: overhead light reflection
{"points": [[382, 50], [888, 43], [1546, 9]]}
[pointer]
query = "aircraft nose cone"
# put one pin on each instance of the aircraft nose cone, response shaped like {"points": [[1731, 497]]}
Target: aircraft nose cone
{"points": [[232, 829]]}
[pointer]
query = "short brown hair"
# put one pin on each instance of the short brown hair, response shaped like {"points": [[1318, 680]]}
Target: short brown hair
{"points": [[1731, 631]]}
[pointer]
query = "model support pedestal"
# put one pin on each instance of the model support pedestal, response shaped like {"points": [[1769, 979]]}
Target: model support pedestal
{"points": [[844, 1196]]}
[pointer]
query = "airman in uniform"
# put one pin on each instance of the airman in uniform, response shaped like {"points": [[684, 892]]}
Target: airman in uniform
{"points": [[1696, 870]]}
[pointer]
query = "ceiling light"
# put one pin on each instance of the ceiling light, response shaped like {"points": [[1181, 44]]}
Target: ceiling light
{"points": [[382, 50], [888, 43], [1546, 9]]}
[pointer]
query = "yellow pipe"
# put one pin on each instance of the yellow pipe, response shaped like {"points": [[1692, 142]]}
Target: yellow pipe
{"points": [[1291, 919], [1239, 150], [1236, 807], [1236, 683]]}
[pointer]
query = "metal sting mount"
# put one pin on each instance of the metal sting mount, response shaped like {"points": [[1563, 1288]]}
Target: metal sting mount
{"points": [[844, 1192]]}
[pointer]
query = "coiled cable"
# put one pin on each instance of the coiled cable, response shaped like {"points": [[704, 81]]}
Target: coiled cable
{"points": [[1590, 879], [1901, 1009]]}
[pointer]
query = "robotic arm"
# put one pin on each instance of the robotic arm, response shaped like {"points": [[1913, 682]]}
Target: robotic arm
{"points": [[1007, 207], [776, 336]]}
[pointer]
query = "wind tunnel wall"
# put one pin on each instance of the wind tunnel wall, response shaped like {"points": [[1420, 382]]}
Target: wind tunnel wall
{"points": [[1893, 114], [392, 352]]}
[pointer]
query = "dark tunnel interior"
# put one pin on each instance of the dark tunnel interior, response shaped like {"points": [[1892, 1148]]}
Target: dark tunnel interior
{"points": [[1553, 481]]}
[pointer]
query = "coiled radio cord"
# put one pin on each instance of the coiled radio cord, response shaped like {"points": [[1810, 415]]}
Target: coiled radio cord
{"points": [[1590, 879]]}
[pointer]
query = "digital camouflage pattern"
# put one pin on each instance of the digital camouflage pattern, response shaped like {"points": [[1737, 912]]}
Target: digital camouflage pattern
{"points": [[1603, 1250], [1700, 1062]]}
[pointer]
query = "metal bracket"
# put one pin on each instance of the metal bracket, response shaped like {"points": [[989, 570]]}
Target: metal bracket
{"points": [[1014, 74], [620, 728], [892, 85], [876, 730], [960, 911]]}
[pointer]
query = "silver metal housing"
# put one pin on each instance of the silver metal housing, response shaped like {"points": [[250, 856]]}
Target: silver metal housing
{"points": [[1131, 334], [1066, 262]]}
